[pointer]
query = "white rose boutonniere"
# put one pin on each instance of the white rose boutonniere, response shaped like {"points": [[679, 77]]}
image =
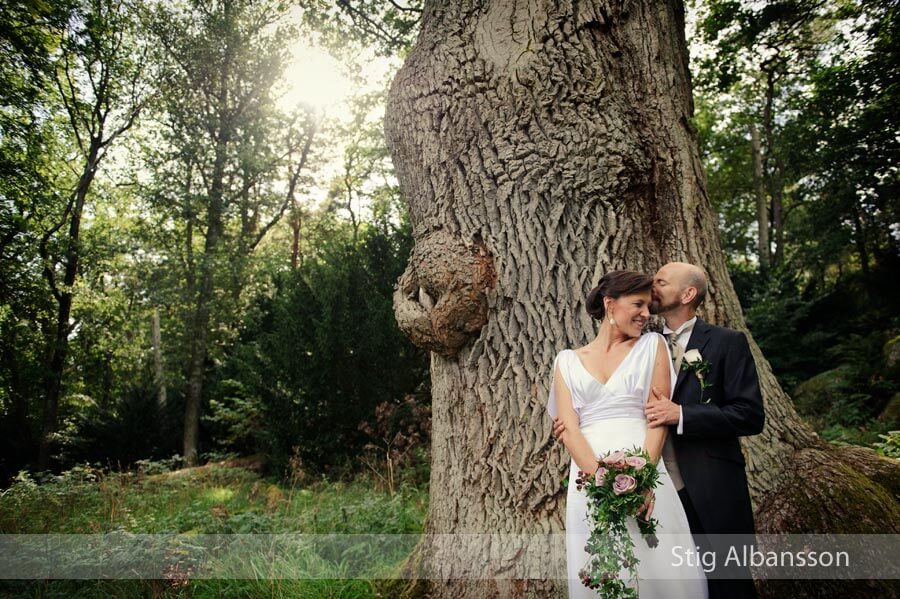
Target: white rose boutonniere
{"points": [[694, 362]]}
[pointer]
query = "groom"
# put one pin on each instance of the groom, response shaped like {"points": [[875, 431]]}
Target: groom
{"points": [[702, 452]]}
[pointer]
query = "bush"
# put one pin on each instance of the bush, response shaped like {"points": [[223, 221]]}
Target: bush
{"points": [[398, 431], [832, 342], [890, 446], [117, 436], [324, 350]]}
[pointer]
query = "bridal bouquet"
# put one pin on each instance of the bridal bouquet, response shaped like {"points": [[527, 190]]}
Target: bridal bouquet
{"points": [[614, 493]]}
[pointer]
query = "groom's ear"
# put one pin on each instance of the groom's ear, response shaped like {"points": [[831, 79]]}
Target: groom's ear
{"points": [[688, 295]]}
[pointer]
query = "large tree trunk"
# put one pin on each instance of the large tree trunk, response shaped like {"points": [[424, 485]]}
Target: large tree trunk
{"points": [[540, 144]]}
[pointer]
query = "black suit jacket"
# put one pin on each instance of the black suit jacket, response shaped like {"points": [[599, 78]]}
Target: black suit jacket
{"points": [[709, 452]]}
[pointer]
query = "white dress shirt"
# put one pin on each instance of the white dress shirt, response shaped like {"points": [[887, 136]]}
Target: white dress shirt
{"points": [[684, 335]]}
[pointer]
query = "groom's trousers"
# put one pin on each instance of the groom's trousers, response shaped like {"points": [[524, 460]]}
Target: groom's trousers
{"points": [[724, 583]]}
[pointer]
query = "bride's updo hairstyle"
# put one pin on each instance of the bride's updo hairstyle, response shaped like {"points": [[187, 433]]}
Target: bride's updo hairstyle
{"points": [[614, 285]]}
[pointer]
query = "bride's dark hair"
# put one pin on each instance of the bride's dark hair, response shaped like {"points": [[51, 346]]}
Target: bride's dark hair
{"points": [[615, 284]]}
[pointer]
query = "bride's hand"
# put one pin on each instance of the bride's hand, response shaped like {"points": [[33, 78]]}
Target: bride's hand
{"points": [[646, 510]]}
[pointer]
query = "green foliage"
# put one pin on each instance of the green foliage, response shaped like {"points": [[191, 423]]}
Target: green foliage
{"points": [[187, 222], [226, 163], [20, 389], [817, 396], [727, 156], [890, 445], [865, 435], [609, 547], [234, 417], [73, 83], [149, 467], [815, 80], [848, 185], [791, 324], [839, 379], [32, 148]]}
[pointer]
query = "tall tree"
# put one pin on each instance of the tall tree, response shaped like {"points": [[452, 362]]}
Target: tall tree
{"points": [[101, 82], [31, 165], [236, 159], [539, 146], [844, 144], [761, 57]]}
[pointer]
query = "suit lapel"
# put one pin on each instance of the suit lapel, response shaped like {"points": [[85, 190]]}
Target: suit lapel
{"points": [[698, 340]]}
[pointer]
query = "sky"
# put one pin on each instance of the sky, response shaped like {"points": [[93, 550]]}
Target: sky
{"points": [[316, 78]]}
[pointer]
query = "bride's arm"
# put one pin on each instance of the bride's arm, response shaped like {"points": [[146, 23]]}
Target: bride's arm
{"points": [[656, 436], [577, 446]]}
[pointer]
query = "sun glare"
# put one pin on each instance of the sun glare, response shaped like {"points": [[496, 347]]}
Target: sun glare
{"points": [[315, 78]]}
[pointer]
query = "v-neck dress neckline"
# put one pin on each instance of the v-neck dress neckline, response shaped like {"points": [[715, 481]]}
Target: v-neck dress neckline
{"points": [[625, 391], [614, 372]]}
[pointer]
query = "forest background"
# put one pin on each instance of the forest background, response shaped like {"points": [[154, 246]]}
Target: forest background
{"points": [[201, 231]]}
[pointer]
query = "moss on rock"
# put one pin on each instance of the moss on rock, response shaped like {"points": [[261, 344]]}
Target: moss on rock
{"points": [[846, 490], [815, 396], [892, 356], [891, 412]]}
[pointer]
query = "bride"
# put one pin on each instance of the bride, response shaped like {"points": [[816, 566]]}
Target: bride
{"points": [[598, 392]]}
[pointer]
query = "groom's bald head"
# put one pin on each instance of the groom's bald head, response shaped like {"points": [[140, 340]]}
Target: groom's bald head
{"points": [[680, 283], [692, 275]]}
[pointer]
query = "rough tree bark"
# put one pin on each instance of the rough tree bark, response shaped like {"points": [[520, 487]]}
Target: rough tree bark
{"points": [[540, 144]]}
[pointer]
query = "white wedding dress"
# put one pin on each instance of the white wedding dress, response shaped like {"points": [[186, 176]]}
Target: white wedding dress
{"points": [[611, 417]]}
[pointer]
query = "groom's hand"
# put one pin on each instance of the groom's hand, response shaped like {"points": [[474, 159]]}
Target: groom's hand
{"points": [[558, 428], [660, 411]]}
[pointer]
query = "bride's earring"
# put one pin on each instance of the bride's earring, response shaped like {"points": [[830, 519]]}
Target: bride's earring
{"points": [[612, 320]]}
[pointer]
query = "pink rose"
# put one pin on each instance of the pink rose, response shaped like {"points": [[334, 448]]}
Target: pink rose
{"points": [[600, 476], [636, 461], [615, 459], [624, 484]]}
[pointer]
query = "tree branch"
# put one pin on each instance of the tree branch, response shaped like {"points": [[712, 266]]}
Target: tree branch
{"points": [[70, 107], [289, 196], [374, 28], [406, 8]]}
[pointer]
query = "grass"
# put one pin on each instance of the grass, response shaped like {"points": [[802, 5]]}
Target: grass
{"points": [[217, 499]]}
